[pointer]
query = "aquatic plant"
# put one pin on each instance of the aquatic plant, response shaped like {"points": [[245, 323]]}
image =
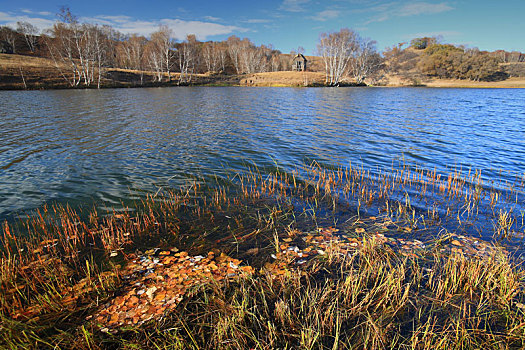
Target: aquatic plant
{"points": [[341, 257]]}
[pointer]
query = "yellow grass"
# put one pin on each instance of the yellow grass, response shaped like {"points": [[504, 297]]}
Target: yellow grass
{"points": [[19, 61], [283, 79], [509, 83]]}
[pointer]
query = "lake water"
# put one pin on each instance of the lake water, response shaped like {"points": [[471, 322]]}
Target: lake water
{"points": [[107, 147]]}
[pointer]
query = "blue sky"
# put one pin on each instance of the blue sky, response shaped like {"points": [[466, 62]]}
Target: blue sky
{"points": [[287, 24]]}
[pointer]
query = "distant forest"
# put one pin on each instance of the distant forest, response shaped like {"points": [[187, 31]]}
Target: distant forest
{"points": [[82, 52]]}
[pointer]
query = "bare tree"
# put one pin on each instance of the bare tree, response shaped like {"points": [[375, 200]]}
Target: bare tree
{"points": [[207, 50], [298, 50], [365, 59], [131, 53], [275, 63], [137, 45], [214, 56], [82, 47], [516, 56], [154, 59], [248, 58], [100, 37], [234, 50], [221, 55], [8, 35], [336, 49], [74, 45], [188, 56], [161, 55], [123, 53], [61, 47], [30, 33]]}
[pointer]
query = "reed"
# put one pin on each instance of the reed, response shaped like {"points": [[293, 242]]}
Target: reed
{"points": [[59, 265], [374, 299]]}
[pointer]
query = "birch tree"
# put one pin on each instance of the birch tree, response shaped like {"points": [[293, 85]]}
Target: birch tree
{"points": [[8, 35], [248, 58], [161, 51], [234, 51], [188, 56], [84, 48], [221, 54], [275, 63], [131, 54], [137, 47], [61, 48], [30, 33], [336, 49], [100, 41], [154, 60], [365, 59], [214, 56]]}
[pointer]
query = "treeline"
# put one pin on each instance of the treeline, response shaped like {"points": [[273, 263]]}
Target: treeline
{"points": [[81, 51]]}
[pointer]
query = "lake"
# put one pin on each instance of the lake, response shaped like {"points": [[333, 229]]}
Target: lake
{"points": [[109, 147]]}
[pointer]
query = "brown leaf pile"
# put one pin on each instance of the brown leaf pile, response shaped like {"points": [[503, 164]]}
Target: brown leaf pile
{"points": [[159, 281]]}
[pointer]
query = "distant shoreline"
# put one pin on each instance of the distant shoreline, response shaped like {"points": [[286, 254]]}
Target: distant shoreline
{"points": [[518, 84], [36, 73], [442, 84]]}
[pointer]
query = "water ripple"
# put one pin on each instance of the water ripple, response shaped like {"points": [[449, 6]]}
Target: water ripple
{"points": [[109, 146]]}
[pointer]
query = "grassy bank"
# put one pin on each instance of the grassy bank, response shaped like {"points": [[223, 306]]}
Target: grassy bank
{"points": [[19, 72], [270, 261], [510, 83]]}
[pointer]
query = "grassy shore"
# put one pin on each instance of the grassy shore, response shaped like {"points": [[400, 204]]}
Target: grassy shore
{"points": [[27, 72], [270, 261]]}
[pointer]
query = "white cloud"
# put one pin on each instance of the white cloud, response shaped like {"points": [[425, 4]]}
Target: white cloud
{"points": [[390, 10], [423, 8], [202, 30], [10, 20], [41, 13], [293, 5], [326, 15], [115, 19], [256, 20], [211, 18], [130, 25], [180, 28]]}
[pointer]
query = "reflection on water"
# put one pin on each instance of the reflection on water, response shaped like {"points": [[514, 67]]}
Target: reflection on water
{"points": [[109, 146]]}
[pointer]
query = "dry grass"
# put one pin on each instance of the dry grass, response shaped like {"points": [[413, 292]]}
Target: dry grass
{"points": [[37, 72], [450, 83], [28, 72], [284, 79], [25, 62], [64, 266], [370, 300], [394, 80]]}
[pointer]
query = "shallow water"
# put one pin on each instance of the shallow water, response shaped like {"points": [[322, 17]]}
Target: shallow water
{"points": [[107, 147]]}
